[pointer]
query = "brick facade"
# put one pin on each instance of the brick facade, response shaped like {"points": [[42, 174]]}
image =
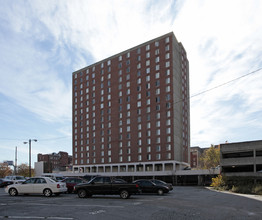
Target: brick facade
{"points": [[133, 107]]}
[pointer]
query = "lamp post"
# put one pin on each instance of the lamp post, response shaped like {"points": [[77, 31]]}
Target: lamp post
{"points": [[30, 154]]}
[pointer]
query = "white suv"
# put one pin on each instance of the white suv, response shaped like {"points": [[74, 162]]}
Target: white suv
{"points": [[15, 179]]}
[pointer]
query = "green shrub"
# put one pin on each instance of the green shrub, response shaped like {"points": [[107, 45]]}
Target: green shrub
{"points": [[245, 189], [257, 189], [245, 185]]}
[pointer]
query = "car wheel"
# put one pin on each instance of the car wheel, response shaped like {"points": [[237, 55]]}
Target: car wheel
{"points": [[13, 192], [82, 193], [124, 194], [48, 192], [160, 192]]}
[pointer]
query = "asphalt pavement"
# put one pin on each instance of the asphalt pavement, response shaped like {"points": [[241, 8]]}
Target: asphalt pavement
{"points": [[181, 203]]}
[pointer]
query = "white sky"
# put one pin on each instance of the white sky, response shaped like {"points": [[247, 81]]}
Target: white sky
{"points": [[43, 42]]}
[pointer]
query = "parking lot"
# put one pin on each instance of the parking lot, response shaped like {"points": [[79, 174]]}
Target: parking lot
{"points": [[181, 203]]}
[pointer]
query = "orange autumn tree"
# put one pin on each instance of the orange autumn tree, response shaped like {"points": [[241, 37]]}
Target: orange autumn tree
{"points": [[210, 158]]}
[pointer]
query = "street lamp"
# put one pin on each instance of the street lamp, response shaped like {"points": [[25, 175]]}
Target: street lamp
{"points": [[30, 154]]}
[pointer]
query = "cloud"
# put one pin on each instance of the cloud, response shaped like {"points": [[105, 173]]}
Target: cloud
{"points": [[222, 44], [46, 41]]}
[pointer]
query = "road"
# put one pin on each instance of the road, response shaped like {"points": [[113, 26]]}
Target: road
{"points": [[182, 203]]}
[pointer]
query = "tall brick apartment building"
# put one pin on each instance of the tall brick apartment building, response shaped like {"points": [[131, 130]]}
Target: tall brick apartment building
{"points": [[131, 111]]}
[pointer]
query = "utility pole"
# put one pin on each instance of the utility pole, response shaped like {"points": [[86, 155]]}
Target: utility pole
{"points": [[15, 160], [30, 154]]}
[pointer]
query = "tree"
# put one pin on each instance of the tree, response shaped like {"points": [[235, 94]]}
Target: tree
{"points": [[210, 157], [5, 170], [23, 170]]}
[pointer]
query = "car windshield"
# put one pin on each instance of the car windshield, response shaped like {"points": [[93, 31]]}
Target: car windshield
{"points": [[91, 180], [20, 178], [158, 182]]}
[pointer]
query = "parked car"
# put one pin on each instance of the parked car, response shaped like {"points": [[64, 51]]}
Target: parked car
{"points": [[119, 181], [89, 177], [105, 185], [147, 186], [54, 176], [4, 183], [14, 179], [162, 183], [37, 185], [71, 182]]}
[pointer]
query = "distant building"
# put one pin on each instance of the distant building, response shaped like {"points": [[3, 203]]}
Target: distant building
{"points": [[242, 158], [60, 161], [131, 111], [195, 154]]}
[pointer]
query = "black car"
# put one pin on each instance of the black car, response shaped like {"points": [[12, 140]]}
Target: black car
{"points": [[4, 182], [147, 186], [162, 183], [105, 185]]}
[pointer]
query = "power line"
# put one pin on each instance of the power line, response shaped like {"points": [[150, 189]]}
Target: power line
{"points": [[200, 93], [223, 84], [38, 139]]}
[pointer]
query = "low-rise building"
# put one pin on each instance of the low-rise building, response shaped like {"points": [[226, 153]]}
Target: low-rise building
{"points": [[55, 162], [195, 154]]}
